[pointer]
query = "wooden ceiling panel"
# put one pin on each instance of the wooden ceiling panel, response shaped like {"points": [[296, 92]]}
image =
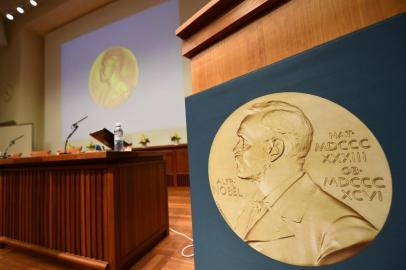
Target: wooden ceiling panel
{"points": [[50, 14]]}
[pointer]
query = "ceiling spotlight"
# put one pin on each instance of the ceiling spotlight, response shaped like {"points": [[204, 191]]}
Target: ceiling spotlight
{"points": [[20, 10], [33, 3], [9, 16]]}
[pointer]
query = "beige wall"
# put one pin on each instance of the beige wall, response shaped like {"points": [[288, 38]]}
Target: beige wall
{"points": [[9, 77], [21, 73], [30, 64]]}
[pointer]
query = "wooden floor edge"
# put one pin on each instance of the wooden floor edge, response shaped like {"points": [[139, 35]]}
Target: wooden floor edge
{"points": [[71, 259]]}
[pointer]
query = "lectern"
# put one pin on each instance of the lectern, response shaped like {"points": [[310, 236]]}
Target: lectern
{"points": [[250, 48], [227, 39]]}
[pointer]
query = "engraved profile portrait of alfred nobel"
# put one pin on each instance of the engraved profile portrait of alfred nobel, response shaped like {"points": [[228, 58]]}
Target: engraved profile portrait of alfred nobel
{"points": [[290, 218], [113, 77]]}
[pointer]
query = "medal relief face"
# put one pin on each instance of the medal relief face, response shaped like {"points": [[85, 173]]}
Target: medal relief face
{"points": [[113, 77], [300, 179]]}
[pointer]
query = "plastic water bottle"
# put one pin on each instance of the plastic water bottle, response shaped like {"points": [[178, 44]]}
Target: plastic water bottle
{"points": [[118, 138]]}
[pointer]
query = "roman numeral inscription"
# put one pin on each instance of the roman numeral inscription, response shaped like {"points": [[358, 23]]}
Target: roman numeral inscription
{"points": [[346, 149]]}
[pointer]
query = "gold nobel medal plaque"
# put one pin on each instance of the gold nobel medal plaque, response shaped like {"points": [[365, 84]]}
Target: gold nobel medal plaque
{"points": [[113, 77], [300, 179]]}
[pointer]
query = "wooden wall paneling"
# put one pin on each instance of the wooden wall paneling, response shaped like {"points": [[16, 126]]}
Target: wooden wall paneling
{"points": [[183, 180], [170, 162], [176, 158], [182, 167], [170, 167], [182, 160]]}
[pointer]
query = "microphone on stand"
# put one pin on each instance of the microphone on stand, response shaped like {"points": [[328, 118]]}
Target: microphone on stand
{"points": [[13, 141], [75, 124], [74, 127]]}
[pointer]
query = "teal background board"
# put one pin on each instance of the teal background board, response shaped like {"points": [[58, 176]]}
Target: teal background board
{"points": [[365, 72]]}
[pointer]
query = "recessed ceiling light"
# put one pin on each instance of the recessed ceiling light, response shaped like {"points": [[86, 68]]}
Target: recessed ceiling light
{"points": [[9, 16], [20, 10], [33, 3]]}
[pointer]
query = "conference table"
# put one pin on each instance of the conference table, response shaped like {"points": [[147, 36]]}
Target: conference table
{"points": [[100, 210]]}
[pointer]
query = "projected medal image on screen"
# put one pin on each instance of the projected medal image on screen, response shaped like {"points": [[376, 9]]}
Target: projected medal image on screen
{"points": [[113, 77]]}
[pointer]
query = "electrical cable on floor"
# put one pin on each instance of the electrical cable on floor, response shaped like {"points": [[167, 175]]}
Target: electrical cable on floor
{"points": [[186, 247]]}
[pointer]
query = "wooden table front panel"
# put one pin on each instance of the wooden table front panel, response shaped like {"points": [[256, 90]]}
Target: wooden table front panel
{"points": [[108, 213], [57, 209], [142, 217]]}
